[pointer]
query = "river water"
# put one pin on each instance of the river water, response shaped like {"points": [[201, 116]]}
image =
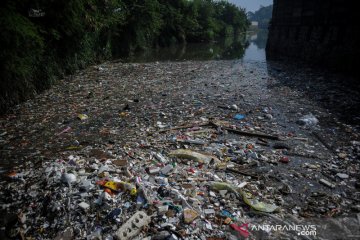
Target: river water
{"points": [[250, 48], [255, 51], [127, 104]]}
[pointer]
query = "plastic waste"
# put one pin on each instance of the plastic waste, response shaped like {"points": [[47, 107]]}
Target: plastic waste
{"points": [[253, 203], [284, 159], [82, 116], [234, 107], [119, 186], [68, 178], [125, 186], [327, 183], [83, 205], [227, 214], [242, 229], [224, 186], [86, 185], [190, 215], [13, 175], [257, 205], [115, 213], [140, 201], [308, 120], [124, 114], [133, 226], [167, 169], [124, 149], [67, 129], [239, 116], [66, 234], [342, 175], [160, 157], [192, 155]]}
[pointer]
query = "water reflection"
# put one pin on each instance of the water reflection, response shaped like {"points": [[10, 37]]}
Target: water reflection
{"points": [[256, 48], [260, 38], [224, 49], [250, 47]]}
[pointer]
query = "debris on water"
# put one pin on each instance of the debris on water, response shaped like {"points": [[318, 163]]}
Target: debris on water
{"points": [[308, 120], [173, 150], [84, 205], [192, 155], [133, 226], [327, 183], [284, 160], [68, 178], [234, 107], [342, 175], [190, 215], [239, 116], [82, 116], [257, 205]]}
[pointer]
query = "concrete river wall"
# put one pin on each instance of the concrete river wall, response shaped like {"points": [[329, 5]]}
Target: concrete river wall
{"points": [[317, 32]]}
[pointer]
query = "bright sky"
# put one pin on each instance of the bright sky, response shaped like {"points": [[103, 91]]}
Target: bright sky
{"points": [[251, 5]]}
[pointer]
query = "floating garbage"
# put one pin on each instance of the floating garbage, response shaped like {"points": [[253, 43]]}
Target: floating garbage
{"points": [[118, 186], [242, 230], [308, 120], [68, 178], [224, 186], [133, 226], [253, 203], [257, 205], [190, 215], [239, 116], [82, 116], [192, 155], [160, 160]]}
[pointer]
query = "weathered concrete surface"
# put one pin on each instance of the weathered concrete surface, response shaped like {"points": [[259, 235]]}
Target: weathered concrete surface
{"points": [[318, 32]]}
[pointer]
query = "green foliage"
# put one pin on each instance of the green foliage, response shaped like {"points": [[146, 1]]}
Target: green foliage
{"points": [[141, 25], [43, 40], [21, 54]]}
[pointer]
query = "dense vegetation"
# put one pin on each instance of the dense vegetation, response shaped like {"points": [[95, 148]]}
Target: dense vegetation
{"points": [[43, 40], [262, 16]]}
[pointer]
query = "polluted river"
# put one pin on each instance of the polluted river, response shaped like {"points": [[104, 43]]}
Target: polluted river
{"points": [[195, 142]]}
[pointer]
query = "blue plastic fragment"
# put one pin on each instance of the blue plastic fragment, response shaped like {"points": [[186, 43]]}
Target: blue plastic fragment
{"points": [[225, 213], [239, 116], [114, 214], [140, 200]]}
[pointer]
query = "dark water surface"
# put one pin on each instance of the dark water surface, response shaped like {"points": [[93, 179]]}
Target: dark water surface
{"points": [[322, 88], [250, 48]]}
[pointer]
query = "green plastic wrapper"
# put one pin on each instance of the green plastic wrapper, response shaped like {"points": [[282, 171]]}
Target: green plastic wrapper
{"points": [[259, 206], [224, 186], [253, 203]]}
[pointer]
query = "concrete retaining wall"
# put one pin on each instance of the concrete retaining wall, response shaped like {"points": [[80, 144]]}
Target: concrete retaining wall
{"points": [[316, 31]]}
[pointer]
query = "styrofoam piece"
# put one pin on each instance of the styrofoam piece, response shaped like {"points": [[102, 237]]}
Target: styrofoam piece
{"points": [[133, 226]]}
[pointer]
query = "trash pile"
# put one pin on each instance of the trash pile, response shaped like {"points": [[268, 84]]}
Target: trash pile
{"points": [[192, 190], [207, 168]]}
